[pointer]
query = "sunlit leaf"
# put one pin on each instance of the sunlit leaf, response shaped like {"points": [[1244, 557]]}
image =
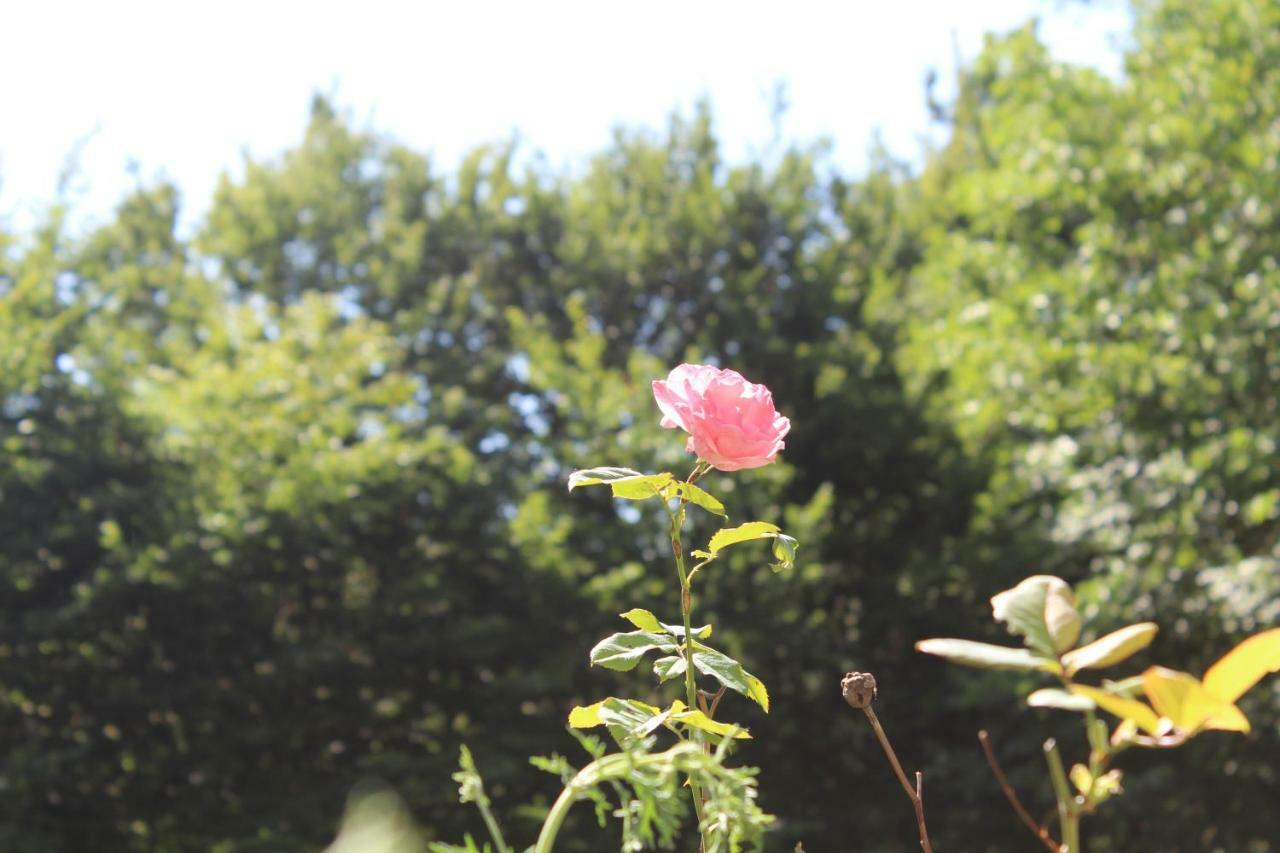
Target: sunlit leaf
{"points": [[730, 673], [622, 652], [585, 716], [784, 552], [1243, 666], [669, 667], [625, 483], [640, 488], [1110, 649], [1041, 609], [643, 619], [1053, 697], [1122, 707], [699, 720], [742, 533], [695, 495], [1180, 698], [630, 713], [985, 655], [597, 476]]}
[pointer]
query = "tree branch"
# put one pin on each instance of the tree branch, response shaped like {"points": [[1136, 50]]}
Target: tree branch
{"points": [[859, 688], [1012, 796]]}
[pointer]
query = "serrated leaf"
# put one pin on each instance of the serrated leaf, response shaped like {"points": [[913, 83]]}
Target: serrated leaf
{"points": [[640, 488], [1052, 697], [1243, 666], [757, 692], [599, 476], [643, 619], [669, 667], [1183, 700], [698, 720], [677, 631], [1122, 707], [695, 495], [742, 533], [1041, 609], [624, 483], [621, 652], [1110, 649], [986, 655], [630, 713], [730, 673], [586, 716]]}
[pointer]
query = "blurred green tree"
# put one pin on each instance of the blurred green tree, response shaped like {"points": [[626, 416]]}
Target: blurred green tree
{"points": [[283, 510]]}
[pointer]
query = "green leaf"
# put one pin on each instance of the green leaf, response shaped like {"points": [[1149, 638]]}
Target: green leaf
{"points": [[1110, 649], [695, 495], [630, 713], [730, 673], [643, 619], [784, 552], [742, 533], [597, 476], [622, 652], [985, 655], [669, 667], [1042, 610], [677, 631], [646, 621], [625, 483], [1052, 697]]}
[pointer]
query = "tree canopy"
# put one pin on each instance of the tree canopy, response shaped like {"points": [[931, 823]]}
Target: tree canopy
{"points": [[283, 510]]}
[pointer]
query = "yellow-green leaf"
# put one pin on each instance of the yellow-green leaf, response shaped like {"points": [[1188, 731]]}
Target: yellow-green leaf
{"points": [[756, 690], [1110, 649], [1081, 778], [625, 483], [586, 716], [1124, 708], [698, 720], [695, 495], [1243, 666], [742, 533], [1180, 698], [643, 619]]}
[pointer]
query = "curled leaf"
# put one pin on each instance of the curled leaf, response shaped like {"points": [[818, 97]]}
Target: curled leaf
{"points": [[1110, 649]]}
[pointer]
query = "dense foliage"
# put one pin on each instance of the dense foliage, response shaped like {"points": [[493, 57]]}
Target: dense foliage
{"points": [[282, 506]]}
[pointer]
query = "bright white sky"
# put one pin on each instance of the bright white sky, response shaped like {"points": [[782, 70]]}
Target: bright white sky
{"points": [[182, 89]]}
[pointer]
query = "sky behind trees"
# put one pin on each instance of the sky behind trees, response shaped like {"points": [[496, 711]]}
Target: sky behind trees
{"points": [[181, 92]]}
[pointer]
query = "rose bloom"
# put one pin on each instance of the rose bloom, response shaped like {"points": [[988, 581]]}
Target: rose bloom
{"points": [[731, 422]]}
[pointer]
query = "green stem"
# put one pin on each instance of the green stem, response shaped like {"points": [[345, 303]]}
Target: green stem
{"points": [[499, 842], [1068, 817], [686, 608]]}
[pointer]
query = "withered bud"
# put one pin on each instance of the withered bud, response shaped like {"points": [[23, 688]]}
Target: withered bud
{"points": [[859, 689]]}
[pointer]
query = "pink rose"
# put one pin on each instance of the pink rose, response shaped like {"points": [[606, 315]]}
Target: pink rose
{"points": [[731, 422]]}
